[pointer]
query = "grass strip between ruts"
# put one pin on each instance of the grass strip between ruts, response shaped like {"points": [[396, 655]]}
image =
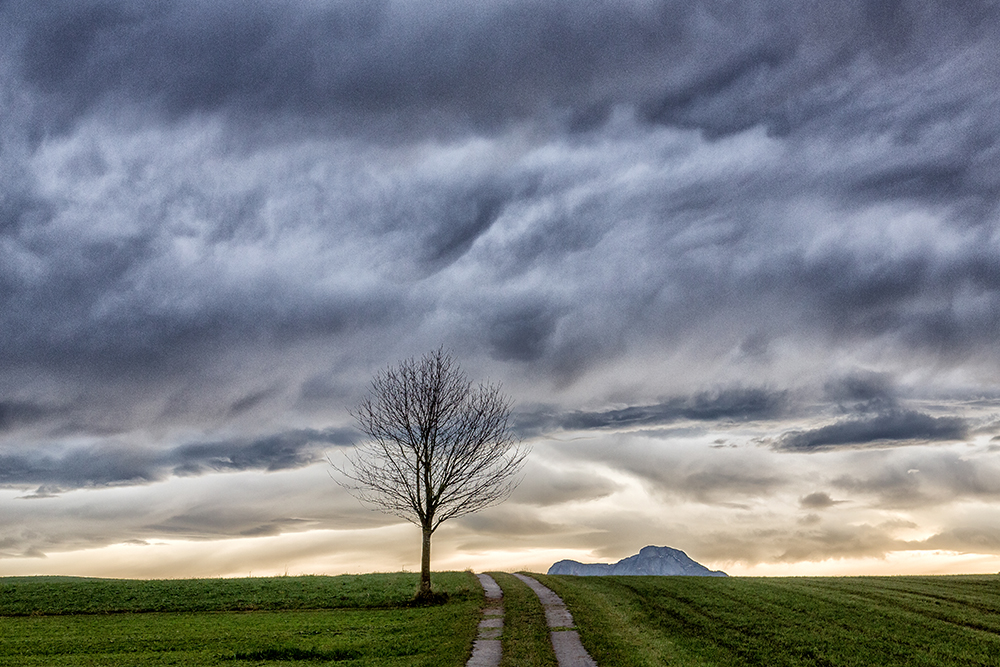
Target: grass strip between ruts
{"points": [[525, 638]]}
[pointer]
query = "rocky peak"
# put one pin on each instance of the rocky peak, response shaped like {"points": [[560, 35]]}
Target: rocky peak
{"points": [[651, 560]]}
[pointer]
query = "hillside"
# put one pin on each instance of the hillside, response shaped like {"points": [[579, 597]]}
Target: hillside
{"points": [[658, 561], [786, 622]]}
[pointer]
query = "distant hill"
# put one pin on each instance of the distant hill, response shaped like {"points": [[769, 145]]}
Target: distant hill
{"points": [[660, 561]]}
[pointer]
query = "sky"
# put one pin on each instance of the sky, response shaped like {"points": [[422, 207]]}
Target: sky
{"points": [[737, 264]]}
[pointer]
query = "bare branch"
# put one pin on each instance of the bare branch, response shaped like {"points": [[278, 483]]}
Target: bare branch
{"points": [[436, 447]]}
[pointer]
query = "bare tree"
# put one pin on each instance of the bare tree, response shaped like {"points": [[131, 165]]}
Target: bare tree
{"points": [[437, 447]]}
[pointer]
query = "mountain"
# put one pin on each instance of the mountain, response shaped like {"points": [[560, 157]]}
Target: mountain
{"points": [[662, 561]]}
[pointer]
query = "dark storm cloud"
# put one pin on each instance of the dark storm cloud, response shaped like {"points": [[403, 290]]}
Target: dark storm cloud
{"points": [[373, 57], [707, 65], [891, 427], [448, 223], [456, 68], [522, 332], [14, 414], [734, 404], [862, 392], [272, 58], [138, 332], [115, 465], [855, 298], [277, 452]]}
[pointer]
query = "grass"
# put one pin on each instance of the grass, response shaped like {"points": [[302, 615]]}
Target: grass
{"points": [[822, 621], [20, 596], [364, 620], [369, 620], [525, 639]]}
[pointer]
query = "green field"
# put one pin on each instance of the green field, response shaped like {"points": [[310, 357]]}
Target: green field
{"points": [[349, 620], [623, 621], [822, 621]]}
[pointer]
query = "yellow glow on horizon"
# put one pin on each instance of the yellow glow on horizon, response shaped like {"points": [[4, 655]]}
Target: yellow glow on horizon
{"points": [[895, 563], [384, 549], [514, 560], [396, 548]]}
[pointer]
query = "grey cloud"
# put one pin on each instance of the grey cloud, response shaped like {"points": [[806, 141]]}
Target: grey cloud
{"points": [[811, 541], [450, 221], [818, 500], [934, 182], [731, 404], [891, 427], [282, 451], [459, 229], [214, 522], [141, 336], [226, 506], [109, 308], [15, 413], [19, 207], [863, 392], [892, 487], [117, 465], [727, 479], [966, 538], [543, 486], [841, 542], [522, 333], [699, 64], [371, 58], [221, 214], [922, 479], [250, 401], [509, 521], [910, 297], [697, 105], [716, 485], [126, 306], [916, 299], [42, 492]]}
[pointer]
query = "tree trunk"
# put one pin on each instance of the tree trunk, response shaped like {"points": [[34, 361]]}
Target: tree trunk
{"points": [[425, 563]]}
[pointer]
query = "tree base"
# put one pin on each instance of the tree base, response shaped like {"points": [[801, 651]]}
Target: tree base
{"points": [[428, 598]]}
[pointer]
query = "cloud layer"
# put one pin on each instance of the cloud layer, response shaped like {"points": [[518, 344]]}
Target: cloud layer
{"points": [[770, 229]]}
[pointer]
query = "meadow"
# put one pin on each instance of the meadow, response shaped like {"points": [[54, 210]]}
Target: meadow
{"points": [[368, 620], [346, 620], [821, 621]]}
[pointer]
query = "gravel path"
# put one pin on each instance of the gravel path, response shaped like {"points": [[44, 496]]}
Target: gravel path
{"points": [[565, 640], [486, 649]]}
